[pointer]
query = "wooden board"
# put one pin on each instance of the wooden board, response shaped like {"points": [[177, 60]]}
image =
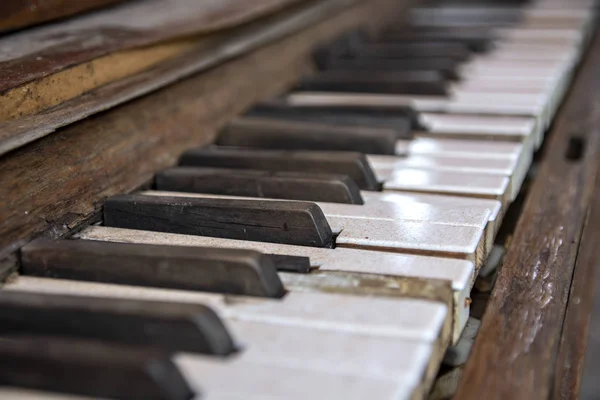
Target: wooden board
{"points": [[21, 14], [518, 344], [56, 184], [38, 52], [39, 107], [577, 367]]}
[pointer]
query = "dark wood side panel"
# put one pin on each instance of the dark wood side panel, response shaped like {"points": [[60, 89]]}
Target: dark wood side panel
{"points": [[518, 343], [57, 183], [21, 14], [578, 358]]}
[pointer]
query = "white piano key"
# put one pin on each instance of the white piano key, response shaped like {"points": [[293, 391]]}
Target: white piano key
{"points": [[521, 152], [234, 378], [461, 148], [334, 352], [494, 206], [464, 242], [414, 237], [471, 126], [386, 166], [452, 183], [459, 273]]}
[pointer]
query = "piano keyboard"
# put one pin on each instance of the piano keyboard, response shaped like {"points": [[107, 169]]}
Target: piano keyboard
{"points": [[326, 245]]}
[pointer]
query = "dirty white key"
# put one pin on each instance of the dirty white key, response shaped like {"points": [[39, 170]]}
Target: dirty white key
{"points": [[462, 148], [519, 129], [494, 206], [486, 150], [450, 183], [234, 378], [413, 237], [329, 351], [459, 273], [386, 166]]}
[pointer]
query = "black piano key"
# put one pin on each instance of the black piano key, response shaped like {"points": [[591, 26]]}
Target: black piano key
{"points": [[447, 67], [354, 165], [287, 222], [388, 82], [474, 40], [255, 183], [90, 368], [175, 327], [231, 271], [340, 47], [268, 133], [400, 120], [287, 263], [404, 48]]}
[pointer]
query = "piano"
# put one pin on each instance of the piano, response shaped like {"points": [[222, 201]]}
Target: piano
{"points": [[297, 199]]}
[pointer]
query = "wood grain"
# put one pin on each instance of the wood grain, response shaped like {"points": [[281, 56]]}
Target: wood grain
{"points": [[67, 84], [21, 14], [56, 184], [122, 76], [518, 343], [34, 53], [580, 344]]}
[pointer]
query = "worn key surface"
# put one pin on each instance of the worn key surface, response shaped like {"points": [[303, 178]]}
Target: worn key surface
{"points": [[171, 326], [90, 368], [190, 268], [354, 165], [255, 183], [269, 133]]}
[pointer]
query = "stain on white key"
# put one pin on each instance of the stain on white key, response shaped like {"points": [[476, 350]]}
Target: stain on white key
{"points": [[406, 236], [412, 268]]}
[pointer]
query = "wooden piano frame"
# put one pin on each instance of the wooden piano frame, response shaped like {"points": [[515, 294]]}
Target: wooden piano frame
{"points": [[533, 337]]}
